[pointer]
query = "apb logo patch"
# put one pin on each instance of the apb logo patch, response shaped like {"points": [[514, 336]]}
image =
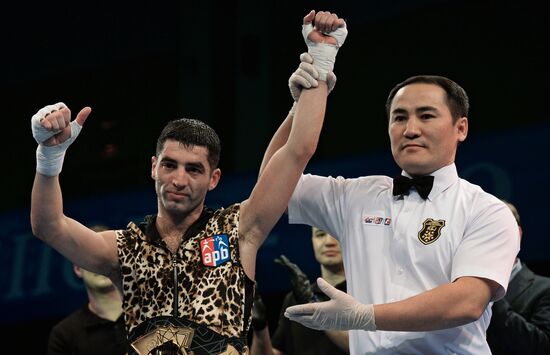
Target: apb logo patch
{"points": [[431, 230], [215, 250]]}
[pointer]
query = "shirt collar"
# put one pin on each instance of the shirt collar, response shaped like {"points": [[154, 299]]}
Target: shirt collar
{"points": [[149, 226], [443, 179], [93, 320]]}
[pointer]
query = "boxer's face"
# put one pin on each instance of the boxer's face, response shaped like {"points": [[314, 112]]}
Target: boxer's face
{"points": [[182, 177], [421, 129]]}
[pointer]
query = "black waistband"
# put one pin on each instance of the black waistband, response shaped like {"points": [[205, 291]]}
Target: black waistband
{"points": [[205, 341]]}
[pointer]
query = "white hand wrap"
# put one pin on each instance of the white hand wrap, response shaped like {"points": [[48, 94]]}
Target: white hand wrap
{"points": [[49, 159], [342, 312], [40, 133], [305, 77], [324, 54]]}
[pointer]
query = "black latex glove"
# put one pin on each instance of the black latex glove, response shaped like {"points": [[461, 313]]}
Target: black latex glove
{"points": [[259, 312], [301, 287]]}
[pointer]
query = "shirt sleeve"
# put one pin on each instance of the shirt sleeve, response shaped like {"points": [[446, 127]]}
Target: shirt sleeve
{"points": [[490, 244], [318, 201]]}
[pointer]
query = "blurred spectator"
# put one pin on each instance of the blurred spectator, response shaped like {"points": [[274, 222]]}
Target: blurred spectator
{"points": [[291, 337], [521, 320], [98, 327]]}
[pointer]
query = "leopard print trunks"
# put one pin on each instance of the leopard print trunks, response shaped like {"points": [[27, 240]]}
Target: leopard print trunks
{"points": [[202, 284]]}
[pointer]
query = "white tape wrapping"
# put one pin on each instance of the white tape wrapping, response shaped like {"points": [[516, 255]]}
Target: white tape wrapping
{"points": [[49, 159], [305, 77], [39, 133], [324, 54]]}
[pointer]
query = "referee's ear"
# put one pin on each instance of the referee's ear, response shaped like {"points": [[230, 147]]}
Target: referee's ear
{"points": [[462, 128]]}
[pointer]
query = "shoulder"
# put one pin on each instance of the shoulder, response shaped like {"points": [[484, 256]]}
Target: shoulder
{"points": [[137, 228], [472, 191], [226, 217], [539, 279], [70, 323], [233, 209], [538, 286], [482, 203], [372, 182], [311, 178]]}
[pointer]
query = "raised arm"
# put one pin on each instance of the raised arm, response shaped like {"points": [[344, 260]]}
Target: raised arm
{"points": [[304, 77], [53, 130], [274, 187]]}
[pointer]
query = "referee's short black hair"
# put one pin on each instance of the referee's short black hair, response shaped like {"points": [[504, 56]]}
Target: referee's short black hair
{"points": [[457, 99]]}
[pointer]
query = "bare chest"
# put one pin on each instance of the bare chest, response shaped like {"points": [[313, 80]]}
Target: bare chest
{"points": [[172, 242]]}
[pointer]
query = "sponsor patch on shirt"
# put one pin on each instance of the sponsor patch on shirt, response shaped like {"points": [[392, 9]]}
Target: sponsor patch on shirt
{"points": [[215, 250], [376, 220], [431, 230]]}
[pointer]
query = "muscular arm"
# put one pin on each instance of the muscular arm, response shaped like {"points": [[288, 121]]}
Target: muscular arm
{"points": [[446, 306], [84, 247], [281, 172], [277, 141], [272, 192]]}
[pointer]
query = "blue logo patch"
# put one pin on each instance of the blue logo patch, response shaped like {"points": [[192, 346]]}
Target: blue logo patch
{"points": [[215, 250]]}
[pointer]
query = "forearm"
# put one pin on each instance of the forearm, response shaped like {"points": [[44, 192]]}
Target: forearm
{"points": [[443, 307], [310, 110], [46, 206], [96, 252], [279, 139], [308, 121]]}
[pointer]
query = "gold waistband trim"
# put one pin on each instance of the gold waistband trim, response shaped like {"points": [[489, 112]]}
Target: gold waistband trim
{"points": [[181, 337]]}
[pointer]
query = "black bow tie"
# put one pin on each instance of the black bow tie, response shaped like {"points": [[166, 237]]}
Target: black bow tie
{"points": [[423, 184]]}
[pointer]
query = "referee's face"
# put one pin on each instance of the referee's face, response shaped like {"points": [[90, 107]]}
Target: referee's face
{"points": [[422, 133]]}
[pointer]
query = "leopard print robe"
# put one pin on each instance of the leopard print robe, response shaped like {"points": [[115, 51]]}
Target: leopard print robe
{"points": [[219, 298]]}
